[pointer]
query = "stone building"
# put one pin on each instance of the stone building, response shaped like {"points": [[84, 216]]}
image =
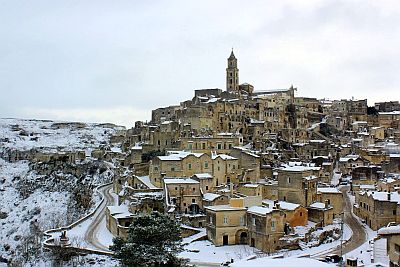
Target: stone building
{"points": [[297, 184], [377, 209], [333, 197], [182, 195]]}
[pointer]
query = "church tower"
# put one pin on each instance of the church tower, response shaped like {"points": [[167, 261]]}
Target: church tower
{"points": [[232, 74]]}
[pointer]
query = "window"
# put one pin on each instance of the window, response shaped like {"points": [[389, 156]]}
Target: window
{"points": [[194, 189], [193, 200], [301, 214], [219, 146], [394, 212], [189, 166], [203, 145], [288, 180], [184, 204], [172, 169], [225, 220], [176, 188], [242, 220], [253, 221], [190, 146], [272, 225], [206, 165], [211, 221], [206, 187], [155, 168]]}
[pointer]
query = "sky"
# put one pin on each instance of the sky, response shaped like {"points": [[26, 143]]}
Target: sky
{"points": [[115, 61]]}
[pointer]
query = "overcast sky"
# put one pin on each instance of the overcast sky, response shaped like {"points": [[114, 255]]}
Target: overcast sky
{"points": [[115, 61]]}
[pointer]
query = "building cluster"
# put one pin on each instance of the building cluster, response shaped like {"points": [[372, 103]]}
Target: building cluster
{"points": [[250, 166]]}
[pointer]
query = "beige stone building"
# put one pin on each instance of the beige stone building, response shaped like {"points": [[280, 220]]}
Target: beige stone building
{"points": [[182, 195], [333, 197], [297, 184], [392, 235], [223, 168], [220, 143], [377, 209]]}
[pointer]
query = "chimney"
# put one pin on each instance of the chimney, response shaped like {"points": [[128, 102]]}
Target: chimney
{"points": [[277, 206], [326, 204]]}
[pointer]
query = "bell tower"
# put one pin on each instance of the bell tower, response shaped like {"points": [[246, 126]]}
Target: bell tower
{"points": [[232, 74]]}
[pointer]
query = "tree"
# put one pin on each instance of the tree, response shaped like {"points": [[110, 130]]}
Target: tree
{"points": [[153, 240]]}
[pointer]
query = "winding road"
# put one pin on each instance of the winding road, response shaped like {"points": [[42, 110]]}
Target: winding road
{"points": [[91, 235], [359, 236]]}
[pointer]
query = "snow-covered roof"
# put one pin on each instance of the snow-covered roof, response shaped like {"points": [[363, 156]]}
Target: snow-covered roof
{"points": [[318, 205], [389, 230], [331, 190], [210, 196], [298, 167], [222, 156], [383, 196], [179, 155], [397, 112], [259, 210], [251, 185], [283, 204], [223, 208], [180, 181], [349, 157], [146, 181], [203, 175]]}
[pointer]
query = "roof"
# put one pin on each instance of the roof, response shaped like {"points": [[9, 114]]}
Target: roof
{"points": [[283, 204], [146, 181], [330, 190], [319, 206], [203, 175], [383, 196], [298, 167], [223, 208], [180, 181], [210, 196], [179, 155], [391, 230], [259, 210]]}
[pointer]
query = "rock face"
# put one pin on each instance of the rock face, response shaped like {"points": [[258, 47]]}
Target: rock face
{"points": [[47, 180]]}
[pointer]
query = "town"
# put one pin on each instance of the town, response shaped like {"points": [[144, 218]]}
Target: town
{"points": [[279, 173]]}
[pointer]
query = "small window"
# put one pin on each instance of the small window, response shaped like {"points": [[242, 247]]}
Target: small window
{"points": [[394, 212], [193, 200], [184, 204], [206, 165], [206, 187], [272, 225], [189, 166], [253, 221], [194, 189], [211, 220], [225, 220], [242, 220], [172, 169]]}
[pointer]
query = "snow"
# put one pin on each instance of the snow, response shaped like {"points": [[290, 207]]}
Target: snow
{"points": [[205, 252], [203, 175], [395, 229], [44, 136], [318, 205], [331, 190], [259, 210], [283, 204], [179, 155], [223, 207], [262, 262], [180, 181], [146, 181], [210, 196]]}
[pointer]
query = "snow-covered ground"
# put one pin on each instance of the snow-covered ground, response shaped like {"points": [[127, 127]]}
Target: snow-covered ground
{"points": [[46, 135], [31, 202]]}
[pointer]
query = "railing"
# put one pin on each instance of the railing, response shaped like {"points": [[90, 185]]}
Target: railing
{"points": [[49, 242]]}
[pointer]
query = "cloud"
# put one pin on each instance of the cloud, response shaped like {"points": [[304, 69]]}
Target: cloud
{"points": [[97, 55]]}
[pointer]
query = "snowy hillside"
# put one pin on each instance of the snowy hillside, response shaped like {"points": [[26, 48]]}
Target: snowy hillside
{"points": [[39, 195]]}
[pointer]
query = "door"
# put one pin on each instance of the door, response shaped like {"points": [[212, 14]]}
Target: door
{"points": [[225, 240]]}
